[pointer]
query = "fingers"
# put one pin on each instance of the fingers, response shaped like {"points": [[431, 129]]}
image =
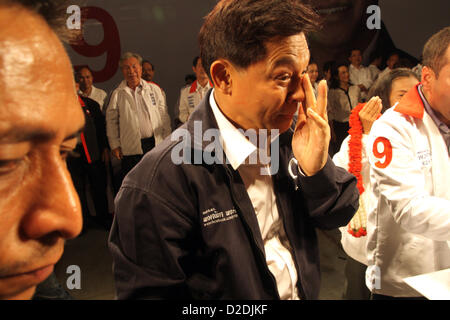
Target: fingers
{"points": [[322, 92], [372, 108], [323, 124], [309, 92]]}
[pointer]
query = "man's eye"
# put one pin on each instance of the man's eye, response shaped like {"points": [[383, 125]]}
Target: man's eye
{"points": [[64, 154], [284, 77], [6, 166]]}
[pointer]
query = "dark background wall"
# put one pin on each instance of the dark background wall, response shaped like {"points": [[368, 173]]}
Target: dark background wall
{"points": [[165, 32]]}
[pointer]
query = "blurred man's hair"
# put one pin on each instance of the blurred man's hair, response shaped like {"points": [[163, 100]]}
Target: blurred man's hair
{"points": [[435, 49], [54, 12], [237, 30]]}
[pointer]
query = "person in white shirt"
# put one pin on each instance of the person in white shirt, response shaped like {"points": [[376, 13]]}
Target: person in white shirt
{"points": [[374, 68], [88, 90], [352, 156], [342, 98], [136, 117], [359, 75], [190, 96], [390, 63], [408, 147]]}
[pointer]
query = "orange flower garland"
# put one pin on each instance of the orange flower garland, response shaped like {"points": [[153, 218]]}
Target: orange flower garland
{"points": [[355, 167]]}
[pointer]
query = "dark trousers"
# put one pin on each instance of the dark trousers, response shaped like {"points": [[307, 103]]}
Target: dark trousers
{"points": [[95, 174], [128, 162], [355, 280]]}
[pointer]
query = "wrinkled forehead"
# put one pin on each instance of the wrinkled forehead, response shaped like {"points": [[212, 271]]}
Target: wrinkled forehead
{"points": [[36, 77]]}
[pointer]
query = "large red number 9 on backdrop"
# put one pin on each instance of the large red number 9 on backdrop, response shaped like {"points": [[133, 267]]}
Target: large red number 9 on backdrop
{"points": [[110, 43]]}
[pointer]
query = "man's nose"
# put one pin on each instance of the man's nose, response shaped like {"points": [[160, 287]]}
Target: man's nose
{"points": [[296, 92], [56, 208]]}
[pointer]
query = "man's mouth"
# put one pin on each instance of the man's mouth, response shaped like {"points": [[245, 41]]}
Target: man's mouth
{"points": [[333, 10]]}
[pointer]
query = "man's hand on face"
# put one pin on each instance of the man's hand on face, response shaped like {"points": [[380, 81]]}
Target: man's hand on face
{"points": [[312, 132]]}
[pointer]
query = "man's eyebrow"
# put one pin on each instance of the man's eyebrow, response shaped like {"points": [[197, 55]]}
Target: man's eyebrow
{"points": [[282, 62], [19, 134]]}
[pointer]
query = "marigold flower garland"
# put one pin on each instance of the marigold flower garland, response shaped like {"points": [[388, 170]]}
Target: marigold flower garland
{"points": [[357, 226]]}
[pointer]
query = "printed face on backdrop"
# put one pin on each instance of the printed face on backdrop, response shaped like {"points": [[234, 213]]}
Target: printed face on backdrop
{"points": [[342, 19], [40, 119]]}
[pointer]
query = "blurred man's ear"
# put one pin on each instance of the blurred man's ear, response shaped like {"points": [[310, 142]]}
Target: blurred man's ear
{"points": [[428, 77], [221, 71]]}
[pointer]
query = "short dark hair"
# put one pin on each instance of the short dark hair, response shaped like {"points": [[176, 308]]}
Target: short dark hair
{"points": [[435, 49], [54, 12], [146, 61], [354, 49], [237, 30], [383, 85]]}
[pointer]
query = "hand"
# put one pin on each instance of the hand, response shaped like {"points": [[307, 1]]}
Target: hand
{"points": [[117, 153], [312, 132], [369, 113]]}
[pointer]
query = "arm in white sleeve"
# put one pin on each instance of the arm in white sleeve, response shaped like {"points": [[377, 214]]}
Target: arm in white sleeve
{"points": [[183, 106], [402, 183], [112, 122]]}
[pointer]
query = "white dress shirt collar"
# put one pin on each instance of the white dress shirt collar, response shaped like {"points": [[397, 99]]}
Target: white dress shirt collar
{"points": [[236, 146]]}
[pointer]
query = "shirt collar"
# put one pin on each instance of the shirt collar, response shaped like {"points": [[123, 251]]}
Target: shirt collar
{"points": [[241, 147]]}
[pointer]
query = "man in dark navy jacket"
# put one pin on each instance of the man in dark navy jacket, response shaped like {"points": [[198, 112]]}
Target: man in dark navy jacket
{"points": [[226, 208], [87, 163]]}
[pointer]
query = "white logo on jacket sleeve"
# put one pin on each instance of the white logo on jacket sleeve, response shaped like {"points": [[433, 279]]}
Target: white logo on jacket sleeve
{"points": [[212, 216]]}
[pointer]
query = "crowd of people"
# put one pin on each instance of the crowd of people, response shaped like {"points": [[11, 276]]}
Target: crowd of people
{"points": [[365, 149]]}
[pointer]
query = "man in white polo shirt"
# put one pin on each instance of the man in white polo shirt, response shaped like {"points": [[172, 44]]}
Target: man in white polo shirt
{"points": [[88, 90]]}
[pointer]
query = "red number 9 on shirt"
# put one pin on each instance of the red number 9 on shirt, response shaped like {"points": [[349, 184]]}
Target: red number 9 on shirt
{"points": [[386, 154]]}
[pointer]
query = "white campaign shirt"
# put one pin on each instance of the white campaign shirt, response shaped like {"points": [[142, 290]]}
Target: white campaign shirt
{"points": [[190, 97], [361, 75], [261, 193], [145, 122]]}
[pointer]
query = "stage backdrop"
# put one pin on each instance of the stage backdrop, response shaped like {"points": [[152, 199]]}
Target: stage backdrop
{"points": [[165, 32]]}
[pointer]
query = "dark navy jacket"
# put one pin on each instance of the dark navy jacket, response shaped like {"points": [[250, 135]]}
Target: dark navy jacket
{"points": [[189, 231]]}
